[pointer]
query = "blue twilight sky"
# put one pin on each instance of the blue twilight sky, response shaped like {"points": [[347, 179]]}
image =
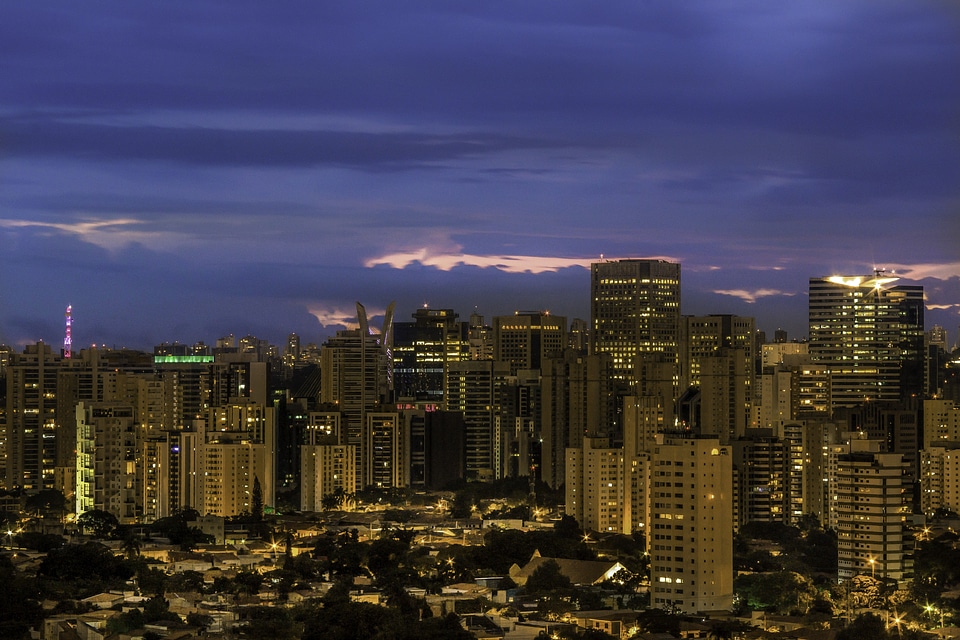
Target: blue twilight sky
{"points": [[179, 171]]}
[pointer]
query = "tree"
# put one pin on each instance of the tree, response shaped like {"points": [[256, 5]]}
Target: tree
{"points": [[131, 545], [256, 501], [546, 578], [152, 581], [567, 527], [19, 601], [866, 627], [659, 621], [101, 524], [722, 630], [275, 623], [176, 527], [47, 502], [157, 608], [87, 561], [199, 620]]}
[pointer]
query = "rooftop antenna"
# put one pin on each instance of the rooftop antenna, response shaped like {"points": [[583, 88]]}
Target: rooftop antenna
{"points": [[67, 337]]}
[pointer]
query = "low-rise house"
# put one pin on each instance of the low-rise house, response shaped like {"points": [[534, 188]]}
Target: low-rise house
{"points": [[580, 572], [104, 600]]}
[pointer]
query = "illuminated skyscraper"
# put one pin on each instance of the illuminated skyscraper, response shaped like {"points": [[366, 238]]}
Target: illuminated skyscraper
{"points": [[526, 339], [634, 308], [31, 426], [869, 335], [421, 351]]}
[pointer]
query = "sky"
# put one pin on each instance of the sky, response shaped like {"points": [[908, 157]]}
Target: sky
{"points": [[181, 171]]}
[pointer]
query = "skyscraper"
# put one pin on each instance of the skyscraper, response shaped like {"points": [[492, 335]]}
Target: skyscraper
{"points": [[421, 351], [869, 335], [527, 338], [634, 308]]}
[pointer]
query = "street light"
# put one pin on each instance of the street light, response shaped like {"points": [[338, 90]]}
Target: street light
{"points": [[932, 609], [873, 568], [897, 620]]}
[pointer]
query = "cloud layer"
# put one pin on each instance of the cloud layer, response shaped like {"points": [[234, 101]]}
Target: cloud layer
{"points": [[186, 172]]}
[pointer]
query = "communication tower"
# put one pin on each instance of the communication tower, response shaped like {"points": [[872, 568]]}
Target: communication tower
{"points": [[67, 338]]}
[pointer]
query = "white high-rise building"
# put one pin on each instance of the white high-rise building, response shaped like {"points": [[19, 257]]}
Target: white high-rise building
{"points": [[690, 536], [871, 506], [595, 488], [107, 460]]}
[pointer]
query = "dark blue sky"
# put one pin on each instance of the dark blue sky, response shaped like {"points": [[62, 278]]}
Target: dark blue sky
{"points": [[181, 171]]}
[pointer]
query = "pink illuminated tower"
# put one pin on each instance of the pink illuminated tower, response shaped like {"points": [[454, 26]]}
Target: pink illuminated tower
{"points": [[67, 338]]}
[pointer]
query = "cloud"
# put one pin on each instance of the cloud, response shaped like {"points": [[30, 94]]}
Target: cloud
{"points": [[752, 296], [922, 271], [506, 263], [111, 234], [335, 315]]}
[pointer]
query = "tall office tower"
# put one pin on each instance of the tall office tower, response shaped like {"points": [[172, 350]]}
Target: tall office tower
{"points": [[384, 451], [190, 379], [579, 398], [937, 336], [725, 401], [579, 336], [526, 339], [436, 448], [690, 536], [517, 424], [705, 336], [291, 353], [643, 422], [655, 377], [595, 489], [357, 375], [643, 428], [871, 507], [941, 422], [31, 418], [153, 478], [936, 349], [421, 351], [792, 433], [940, 478], [480, 338], [6, 355], [107, 446], [789, 353], [869, 335], [762, 471], [324, 427], [471, 389], [634, 309]]}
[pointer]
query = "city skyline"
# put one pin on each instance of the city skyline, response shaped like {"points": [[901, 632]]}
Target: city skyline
{"points": [[183, 173]]}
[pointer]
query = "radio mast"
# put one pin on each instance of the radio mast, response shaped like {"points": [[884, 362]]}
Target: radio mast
{"points": [[67, 338]]}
